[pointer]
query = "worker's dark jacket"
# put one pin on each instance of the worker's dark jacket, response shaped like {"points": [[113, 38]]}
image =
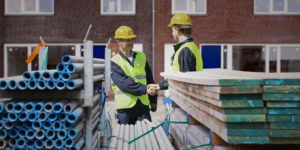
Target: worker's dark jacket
{"points": [[186, 59]]}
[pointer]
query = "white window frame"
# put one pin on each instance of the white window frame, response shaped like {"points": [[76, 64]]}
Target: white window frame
{"points": [[272, 12], [267, 52], [29, 13], [119, 12], [188, 11]]}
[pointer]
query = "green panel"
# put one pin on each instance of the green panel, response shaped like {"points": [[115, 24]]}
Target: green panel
{"points": [[284, 111], [283, 118], [285, 141], [281, 89], [285, 133], [245, 118], [241, 89], [240, 97], [248, 140], [283, 104], [284, 125], [248, 132], [245, 111], [242, 125], [239, 82], [281, 82], [279, 97], [242, 104]]}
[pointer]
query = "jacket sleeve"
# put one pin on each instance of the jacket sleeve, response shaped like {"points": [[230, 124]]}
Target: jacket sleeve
{"points": [[125, 83], [187, 60], [150, 80]]}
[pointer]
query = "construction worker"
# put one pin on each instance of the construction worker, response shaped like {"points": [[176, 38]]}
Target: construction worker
{"points": [[131, 78], [187, 56]]}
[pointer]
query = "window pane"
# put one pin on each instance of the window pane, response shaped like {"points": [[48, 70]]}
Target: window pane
{"points": [[248, 58], [224, 57], [262, 5], [273, 59], [13, 5], [29, 5], [293, 5], [278, 5], [290, 59], [46, 5], [126, 5], [109, 5], [16, 57], [200, 5], [180, 5]]}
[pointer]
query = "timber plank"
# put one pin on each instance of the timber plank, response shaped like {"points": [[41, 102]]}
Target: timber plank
{"points": [[240, 97], [249, 139], [281, 89], [281, 82], [285, 125], [284, 104], [284, 111], [285, 133], [239, 82], [248, 132], [245, 111], [281, 97], [233, 125], [284, 140], [283, 118]]}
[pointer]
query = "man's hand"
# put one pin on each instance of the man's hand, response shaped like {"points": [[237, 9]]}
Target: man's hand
{"points": [[153, 107], [152, 89]]}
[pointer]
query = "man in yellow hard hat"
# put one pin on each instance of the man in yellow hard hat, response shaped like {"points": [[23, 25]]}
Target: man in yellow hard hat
{"points": [[131, 79]]}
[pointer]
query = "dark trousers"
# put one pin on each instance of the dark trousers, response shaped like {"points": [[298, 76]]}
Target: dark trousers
{"points": [[138, 112]]}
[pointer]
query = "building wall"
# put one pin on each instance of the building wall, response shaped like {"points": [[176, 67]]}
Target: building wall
{"points": [[226, 21], [70, 22], [1, 41]]}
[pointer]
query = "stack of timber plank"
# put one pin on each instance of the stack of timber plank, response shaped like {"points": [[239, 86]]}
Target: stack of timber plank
{"points": [[155, 140], [282, 97], [227, 102]]}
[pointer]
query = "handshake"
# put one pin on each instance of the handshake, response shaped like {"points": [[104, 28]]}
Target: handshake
{"points": [[152, 89]]}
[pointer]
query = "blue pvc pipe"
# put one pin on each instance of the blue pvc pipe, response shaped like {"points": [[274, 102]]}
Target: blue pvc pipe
{"points": [[30, 134], [12, 84], [8, 125], [48, 107], [37, 76], [39, 144], [71, 68], [60, 85], [66, 59], [58, 107], [30, 144], [40, 134], [21, 132], [20, 143], [50, 84], [32, 116], [72, 117], [49, 144], [3, 85], [60, 67], [55, 76], [71, 85], [79, 144], [12, 133], [12, 142], [18, 107], [38, 107], [32, 84], [9, 107], [62, 134], [1, 124], [65, 76], [46, 76], [47, 125], [23, 116], [29, 106], [27, 75], [67, 125], [50, 134], [28, 125], [41, 85], [22, 85], [52, 116], [59, 144], [62, 117], [72, 133], [19, 124], [69, 143], [1, 107], [42, 116], [12, 116], [3, 134], [4, 115], [56, 126], [36, 125]]}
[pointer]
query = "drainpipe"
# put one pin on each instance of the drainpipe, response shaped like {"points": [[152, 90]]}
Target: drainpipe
{"points": [[153, 38]]}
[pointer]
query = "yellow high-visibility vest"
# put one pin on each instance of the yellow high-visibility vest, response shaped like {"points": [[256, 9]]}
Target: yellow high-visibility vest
{"points": [[137, 73]]}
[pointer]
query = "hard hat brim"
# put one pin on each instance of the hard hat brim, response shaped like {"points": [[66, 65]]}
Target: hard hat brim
{"points": [[125, 37]]}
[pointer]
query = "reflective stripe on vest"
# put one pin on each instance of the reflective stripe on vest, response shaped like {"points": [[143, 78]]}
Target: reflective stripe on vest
{"points": [[194, 49], [137, 73]]}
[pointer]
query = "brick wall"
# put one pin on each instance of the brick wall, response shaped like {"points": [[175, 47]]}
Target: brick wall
{"points": [[1, 41], [227, 21]]}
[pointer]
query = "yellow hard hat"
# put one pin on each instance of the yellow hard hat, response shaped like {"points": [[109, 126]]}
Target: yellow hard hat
{"points": [[180, 19], [124, 32]]}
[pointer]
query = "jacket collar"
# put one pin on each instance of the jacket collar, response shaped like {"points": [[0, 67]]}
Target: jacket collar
{"points": [[178, 45]]}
